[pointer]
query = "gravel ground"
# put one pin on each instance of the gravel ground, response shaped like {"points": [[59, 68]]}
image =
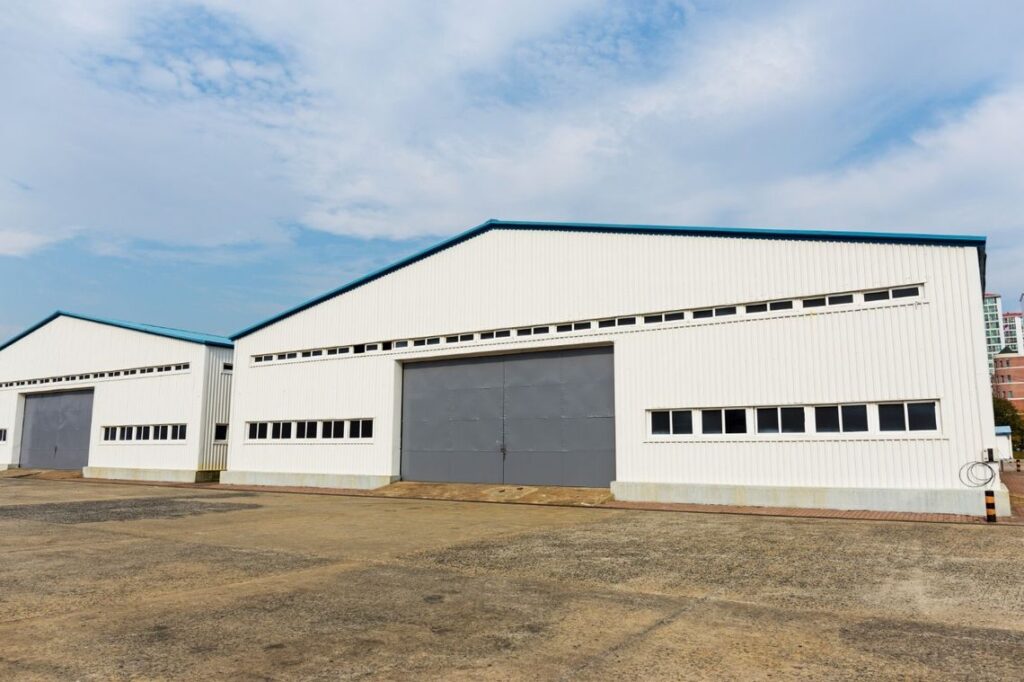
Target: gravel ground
{"points": [[113, 581]]}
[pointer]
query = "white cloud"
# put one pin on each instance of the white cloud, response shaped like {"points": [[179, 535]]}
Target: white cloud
{"points": [[218, 123]]}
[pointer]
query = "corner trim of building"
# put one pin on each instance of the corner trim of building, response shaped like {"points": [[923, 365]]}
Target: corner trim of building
{"points": [[969, 501], [302, 480], [167, 475]]}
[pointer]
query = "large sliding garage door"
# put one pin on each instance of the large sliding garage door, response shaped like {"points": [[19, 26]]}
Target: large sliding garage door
{"points": [[56, 430], [533, 418]]}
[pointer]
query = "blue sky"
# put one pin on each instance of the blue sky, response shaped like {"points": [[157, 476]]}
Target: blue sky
{"points": [[208, 164]]}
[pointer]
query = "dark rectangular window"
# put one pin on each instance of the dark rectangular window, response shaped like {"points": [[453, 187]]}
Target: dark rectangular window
{"points": [[563, 328], [581, 325], [876, 296], [487, 335], [466, 337], [757, 308], [906, 292], [767, 420], [921, 416], [317, 353], [701, 314], [401, 344], [682, 421], [108, 433], [434, 340], [307, 353], [262, 431], [672, 317], [386, 345], [161, 432], [305, 429], [228, 366], [371, 346], [855, 418], [334, 429], [826, 419], [142, 433], [367, 428], [524, 332], [127, 432], [502, 334], [419, 342], [711, 421], [252, 430], [360, 348], [728, 310], [606, 323], [814, 302], [780, 305], [792, 419], [660, 422], [220, 432], [451, 339], [181, 431], [626, 321], [541, 330], [736, 421], [652, 319], [841, 299], [891, 417], [332, 351], [354, 428]]}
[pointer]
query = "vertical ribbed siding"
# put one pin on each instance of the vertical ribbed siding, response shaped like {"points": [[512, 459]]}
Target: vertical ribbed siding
{"points": [[926, 348], [68, 346], [217, 409]]}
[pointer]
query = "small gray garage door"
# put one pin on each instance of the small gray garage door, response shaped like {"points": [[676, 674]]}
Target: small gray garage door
{"points": [[533, 418], [56, 430]]}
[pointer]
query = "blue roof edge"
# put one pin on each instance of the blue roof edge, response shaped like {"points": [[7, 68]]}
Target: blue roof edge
{"points": [[166, 332], [977, 241]]}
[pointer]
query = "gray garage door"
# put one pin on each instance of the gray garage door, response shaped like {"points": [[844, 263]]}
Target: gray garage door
{"points": [[56, 430], [533, 418]]}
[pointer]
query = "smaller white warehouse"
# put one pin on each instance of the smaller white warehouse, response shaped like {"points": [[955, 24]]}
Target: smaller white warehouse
{"points": [[115, 399]]}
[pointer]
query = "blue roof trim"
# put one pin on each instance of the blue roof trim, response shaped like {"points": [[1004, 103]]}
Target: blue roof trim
{"points": [[1003, 431], [167, 332], [739, 232]]}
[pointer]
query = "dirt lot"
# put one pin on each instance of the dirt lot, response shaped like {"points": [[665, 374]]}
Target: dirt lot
{"points": [[115, 581]]}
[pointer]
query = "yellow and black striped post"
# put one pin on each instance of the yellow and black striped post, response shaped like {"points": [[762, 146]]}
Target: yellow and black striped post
{"points": [[990, 506]]}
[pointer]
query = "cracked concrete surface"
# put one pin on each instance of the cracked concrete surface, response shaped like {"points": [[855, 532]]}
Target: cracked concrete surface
{"points": [[106, 581]]}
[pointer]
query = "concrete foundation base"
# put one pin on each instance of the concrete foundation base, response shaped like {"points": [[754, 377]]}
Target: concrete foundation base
{"points": [[364, 482], [945, 501], [166, 475]]}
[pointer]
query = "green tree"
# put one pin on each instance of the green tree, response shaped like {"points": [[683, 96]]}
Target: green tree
{"points": [[1006, 415]]}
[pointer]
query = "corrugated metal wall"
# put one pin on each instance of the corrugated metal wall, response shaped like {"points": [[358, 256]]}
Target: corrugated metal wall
{"points": [[69, 346], [930, 347], [217, 404]]}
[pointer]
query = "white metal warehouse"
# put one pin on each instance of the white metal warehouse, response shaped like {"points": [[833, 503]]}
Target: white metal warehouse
{"points": [[116, 399], [735, 366]]}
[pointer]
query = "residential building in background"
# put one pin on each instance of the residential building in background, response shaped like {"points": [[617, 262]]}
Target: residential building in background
{"points": [[671, 364], [994, 339], [1008, 380], [1013, 331]]}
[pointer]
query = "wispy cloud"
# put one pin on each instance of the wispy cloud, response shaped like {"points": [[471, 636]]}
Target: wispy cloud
{"points": [[214, 132]]}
